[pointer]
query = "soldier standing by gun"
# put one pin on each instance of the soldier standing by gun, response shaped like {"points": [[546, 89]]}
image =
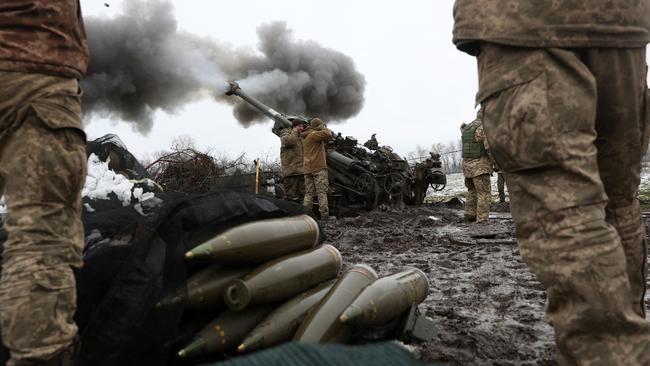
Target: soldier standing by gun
{"points": [[565, 101], [501, 181], [43, 54], [315, 166], [477, 168], [291, 156]]}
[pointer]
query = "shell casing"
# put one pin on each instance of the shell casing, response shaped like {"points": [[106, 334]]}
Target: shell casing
{"points": [[284, 277], [259, 241], [323, 323]]}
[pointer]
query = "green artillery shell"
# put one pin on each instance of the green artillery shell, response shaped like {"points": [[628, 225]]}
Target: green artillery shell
{"points": [[387, 298], [259, 241], [323, 324], [282, 278], [283, 322], [225, 332], [205, 288]]}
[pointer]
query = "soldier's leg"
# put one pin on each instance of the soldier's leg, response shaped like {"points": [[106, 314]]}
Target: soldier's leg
{"points": [[483, 189], [501, 184], [470, 200], [45, 171], [301, 188], [290, 184], [310, 191], [539, 115], [620, 124], [322, 188]]}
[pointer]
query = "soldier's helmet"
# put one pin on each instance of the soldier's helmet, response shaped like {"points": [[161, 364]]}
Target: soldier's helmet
{"points": [[316, 123], [297, 120]]}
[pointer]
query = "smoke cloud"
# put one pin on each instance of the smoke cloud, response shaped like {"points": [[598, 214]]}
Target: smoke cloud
{"points": [[141, 63]]}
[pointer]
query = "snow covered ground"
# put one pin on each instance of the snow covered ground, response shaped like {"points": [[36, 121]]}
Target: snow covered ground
{"points": [[456, 187], [101, 182]]}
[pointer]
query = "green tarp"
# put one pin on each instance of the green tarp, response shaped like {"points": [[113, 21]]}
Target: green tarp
{"points": [[303, 354]]}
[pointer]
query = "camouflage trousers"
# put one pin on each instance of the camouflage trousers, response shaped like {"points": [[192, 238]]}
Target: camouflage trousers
{"points": [[43, 166], [501, 187], [317, 184], [479, 197], [294, 187], [568, 129]]}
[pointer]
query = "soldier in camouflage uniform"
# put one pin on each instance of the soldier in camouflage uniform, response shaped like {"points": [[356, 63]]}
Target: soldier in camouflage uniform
{"points": [[565, 109], [43, 53], [477, 168], [291, 156], [315, 166]]}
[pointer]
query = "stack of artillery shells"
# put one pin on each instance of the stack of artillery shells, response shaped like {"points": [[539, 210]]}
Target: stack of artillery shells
{"points": [[278, 285]]}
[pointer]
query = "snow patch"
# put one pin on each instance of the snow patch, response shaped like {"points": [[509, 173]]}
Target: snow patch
{"points": [[101, 181], [89, 208]]}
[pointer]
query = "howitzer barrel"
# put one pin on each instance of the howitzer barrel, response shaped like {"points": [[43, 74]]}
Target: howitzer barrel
{"points": [[281, 121], [341, 161]]}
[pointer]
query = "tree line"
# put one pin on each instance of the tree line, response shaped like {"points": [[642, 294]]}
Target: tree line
{"points": [[450, 155]]}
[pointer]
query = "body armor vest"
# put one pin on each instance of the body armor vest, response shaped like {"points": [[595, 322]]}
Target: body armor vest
{"points": [[471, 148]]}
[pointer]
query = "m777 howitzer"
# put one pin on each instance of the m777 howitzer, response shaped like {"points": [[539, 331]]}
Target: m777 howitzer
{"points": [[281, 120], [361, 177]]}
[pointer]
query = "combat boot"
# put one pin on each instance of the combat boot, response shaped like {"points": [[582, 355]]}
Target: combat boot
{"points": [[469, 218]]}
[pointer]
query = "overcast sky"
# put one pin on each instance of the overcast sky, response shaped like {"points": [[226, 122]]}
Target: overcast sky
{"points": [[419, 87]]}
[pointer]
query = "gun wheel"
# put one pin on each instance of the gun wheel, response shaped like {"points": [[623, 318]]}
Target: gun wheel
{"points": [[394, 184], [365, 184], [438, 187]]}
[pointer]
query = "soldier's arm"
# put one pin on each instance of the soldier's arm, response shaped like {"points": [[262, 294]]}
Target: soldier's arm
{"points": [[322, 135], [479, 135], [288, 138]]}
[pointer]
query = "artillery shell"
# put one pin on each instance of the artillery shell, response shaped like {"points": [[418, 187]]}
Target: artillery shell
{"points": [[259, 241], [282, 278], [323, 324], [225, 332], [387, 298], [283, 322], [204, 289]]}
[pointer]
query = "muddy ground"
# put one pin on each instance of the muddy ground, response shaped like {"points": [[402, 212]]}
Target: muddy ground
{"points": [[487, 306]]}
